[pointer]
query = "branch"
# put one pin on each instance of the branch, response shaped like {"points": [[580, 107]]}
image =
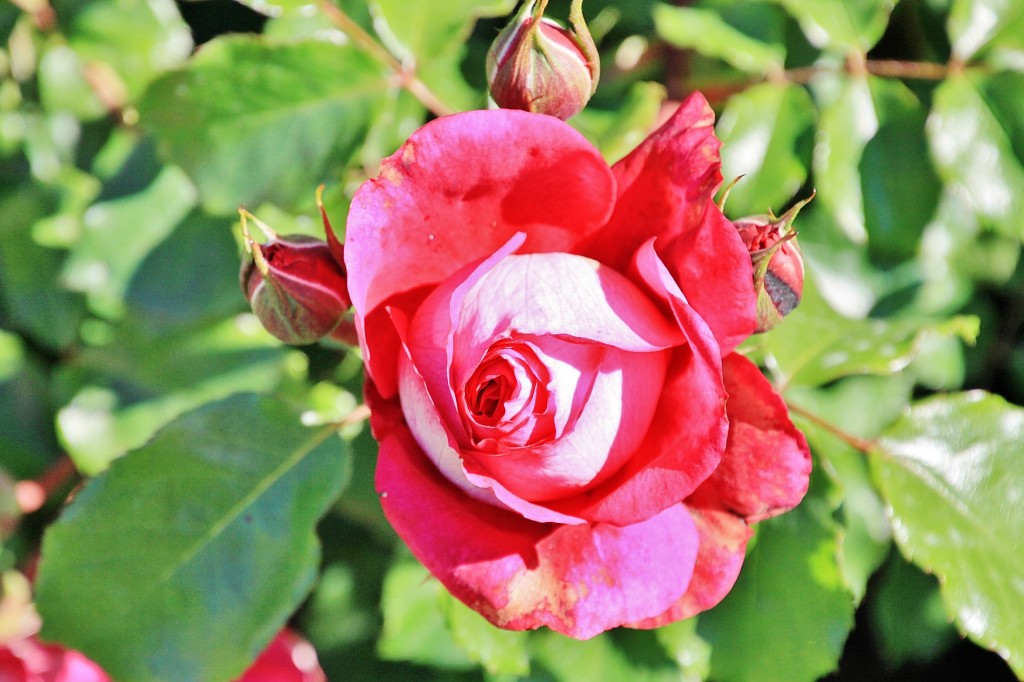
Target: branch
{"points": [[406, 77], [861, 444]]}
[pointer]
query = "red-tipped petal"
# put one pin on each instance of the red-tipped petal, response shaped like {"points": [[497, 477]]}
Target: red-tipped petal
{"points": [[579, 580], [454, 193], [665, 190], [688, 433], [723, 543], [766, 466]]}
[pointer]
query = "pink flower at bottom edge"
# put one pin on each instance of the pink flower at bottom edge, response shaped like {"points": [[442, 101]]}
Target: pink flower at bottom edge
{"points": [[566, 435]]}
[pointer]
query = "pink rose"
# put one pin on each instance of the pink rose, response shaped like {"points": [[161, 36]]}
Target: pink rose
{"points": [[566, 435]]}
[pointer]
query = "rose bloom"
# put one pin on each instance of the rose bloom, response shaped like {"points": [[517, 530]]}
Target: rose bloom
{"points": [[567, 437]]}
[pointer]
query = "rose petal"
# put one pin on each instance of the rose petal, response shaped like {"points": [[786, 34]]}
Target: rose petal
{"points": [[723, 542], [578, 580], [459, 188], [609, 430], [665, 190], [767, 465], [557, 293], [430, 335], [688, 433]]}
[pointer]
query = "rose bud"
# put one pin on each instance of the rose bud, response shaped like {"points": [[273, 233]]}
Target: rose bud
{"points": [[778, 264], [296, 284], [537, 65]]}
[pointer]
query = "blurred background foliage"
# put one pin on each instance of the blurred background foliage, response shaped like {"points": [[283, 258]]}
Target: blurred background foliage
{"points": [[132, 130]]}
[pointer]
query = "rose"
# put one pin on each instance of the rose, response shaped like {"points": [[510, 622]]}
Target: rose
{"points": [[567, 437]]}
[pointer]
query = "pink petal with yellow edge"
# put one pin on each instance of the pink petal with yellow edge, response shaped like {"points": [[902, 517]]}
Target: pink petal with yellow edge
{"points": [[687, 435], [665, 190], [767, 464], [459, 188], [579, 580], [722, 547]]}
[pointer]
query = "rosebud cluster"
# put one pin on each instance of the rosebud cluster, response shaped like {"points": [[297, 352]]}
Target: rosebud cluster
{"points": [[296, 284], [537, 65], [778, 263]]}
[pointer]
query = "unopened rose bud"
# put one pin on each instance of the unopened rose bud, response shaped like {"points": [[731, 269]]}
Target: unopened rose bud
{"points": [[537, 65], [778, 264], [296, 284]]}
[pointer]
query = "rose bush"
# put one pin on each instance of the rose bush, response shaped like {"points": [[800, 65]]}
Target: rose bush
{"points": [[567, 437]]}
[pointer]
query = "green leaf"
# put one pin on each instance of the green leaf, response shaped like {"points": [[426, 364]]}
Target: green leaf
{"points": [[422, 29], [708, 33], [616, 133], [788, 616], [899, 186], [841, 25], [429, 37], [31, 299], [27, 442], [184, 559], [815, 345], [253, 121], [973, 24], [414, 619], [847, 121], [119, 233], [974, 155], [907, 613], [618, 655], [500, 652], [188, 280], [136, 40], [760, 129], [952, 472], [138, 382], [862, 406]]}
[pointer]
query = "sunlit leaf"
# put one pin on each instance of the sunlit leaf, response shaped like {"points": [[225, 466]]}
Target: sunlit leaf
{"points": [[974, 23], [760, 129], [616, 133], [952, 472], [708, 33], [848, 120], [815, 345], [414, 619], [499, 652], [973, 154], [183, 560], [789, 613], [252, 121], [429, 36], [621, 655], [119, 233], [139, 382], [124, 44], [841, 24]]}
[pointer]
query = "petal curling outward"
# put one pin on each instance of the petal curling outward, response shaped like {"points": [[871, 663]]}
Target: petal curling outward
{"points": [[767, 464], [578, 580], [665, 191], [688, 432]]}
